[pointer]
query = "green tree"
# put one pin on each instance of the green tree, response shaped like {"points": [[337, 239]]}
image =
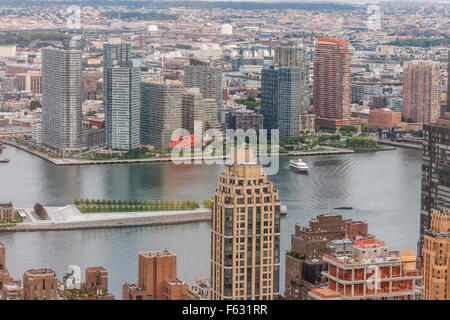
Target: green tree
{"points": [[34, 105], [76, 202], [348, 129], [207, 203]]}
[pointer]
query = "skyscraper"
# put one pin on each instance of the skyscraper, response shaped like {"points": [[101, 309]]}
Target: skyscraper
{"points": [[332, 80], [296, 56], [281, 100], [448, 82], [161, 113], [116, 50], [208, 79], [245, 235], [61, 95], [121, 96], [421, 90], [435, 172], [436, 256]]}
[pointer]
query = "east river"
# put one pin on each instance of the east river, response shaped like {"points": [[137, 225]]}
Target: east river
{"points": [[382, 187]]}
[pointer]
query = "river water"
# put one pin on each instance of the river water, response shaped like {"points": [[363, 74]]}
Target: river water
{"points": [[382, 187]]}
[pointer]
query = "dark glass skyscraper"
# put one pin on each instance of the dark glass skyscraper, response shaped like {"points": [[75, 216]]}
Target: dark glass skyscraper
{"points": [[435, 172], [280, 100], [296, 56]]}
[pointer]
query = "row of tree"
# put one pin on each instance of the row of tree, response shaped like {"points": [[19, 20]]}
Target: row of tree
{"points": [[86, 205]]}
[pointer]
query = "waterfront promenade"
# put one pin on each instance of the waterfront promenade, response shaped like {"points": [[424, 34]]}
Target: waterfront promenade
{"points": [[70, 218], [329, 150], [401, 144], [77, 162]]}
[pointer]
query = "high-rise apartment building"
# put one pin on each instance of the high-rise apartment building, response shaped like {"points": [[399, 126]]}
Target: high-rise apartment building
{"points": [[332, 81], [161, 112], [435, 172], [245, 233], [197, 108], [116, 50], [448, 82], [421, 90], [157, 279], [121, 96], [436, 258], [281, 100], [61, 99], [369, 271], [296, 56], [209, 80]]}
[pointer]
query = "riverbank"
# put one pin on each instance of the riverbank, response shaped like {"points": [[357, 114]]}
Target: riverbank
{"points": [[70, 218], [329, 150], [400, 144], [77, 162]]}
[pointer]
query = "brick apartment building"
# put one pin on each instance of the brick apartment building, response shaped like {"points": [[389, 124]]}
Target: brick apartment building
{"points": [[312, 240], [6, 211], [384, 118], [40, 284], [421, 89], [157, 279], [332, 81], [10, 289], [308, 244]]}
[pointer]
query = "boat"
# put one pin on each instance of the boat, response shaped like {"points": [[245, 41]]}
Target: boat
{"points": [[298, 166], [4, 160]]}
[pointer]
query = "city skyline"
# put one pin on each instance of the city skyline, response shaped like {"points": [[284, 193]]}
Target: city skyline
{"points": [[224, 151]]}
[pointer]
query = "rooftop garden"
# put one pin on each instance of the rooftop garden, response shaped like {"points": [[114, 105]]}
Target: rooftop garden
{"points": [[297, 255]]}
